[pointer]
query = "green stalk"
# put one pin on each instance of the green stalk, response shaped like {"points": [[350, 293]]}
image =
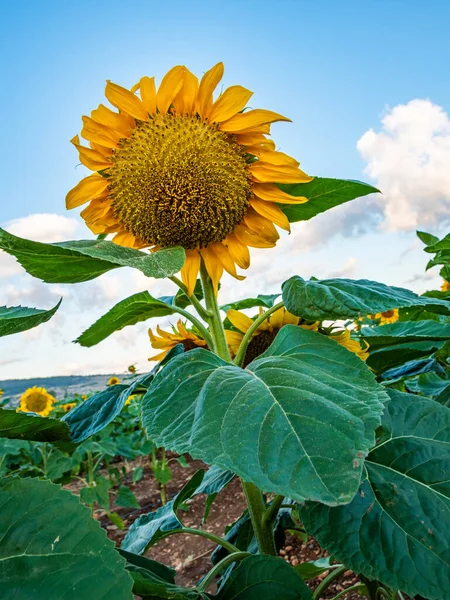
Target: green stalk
{"points": [[257, 510], [353, 588], [206, 534], [198, 324], [192, 299], [251, 330], [323, 585], [221, 565], [220, 346], [271, 513]]}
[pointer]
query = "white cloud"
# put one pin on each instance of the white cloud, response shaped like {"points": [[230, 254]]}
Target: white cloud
{"points": [[44, 227], [409, 160]]}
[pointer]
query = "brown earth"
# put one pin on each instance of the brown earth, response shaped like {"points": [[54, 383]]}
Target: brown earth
{"points": [[188, 554]]}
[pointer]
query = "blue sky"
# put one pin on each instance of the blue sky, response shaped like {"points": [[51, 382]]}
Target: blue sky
{"points": [[335, 68]]}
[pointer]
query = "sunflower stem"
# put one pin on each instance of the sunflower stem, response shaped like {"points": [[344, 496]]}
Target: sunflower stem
{"points": [[257, 511], [192, 299], [219, 567], [214, 320], [251, 330]]}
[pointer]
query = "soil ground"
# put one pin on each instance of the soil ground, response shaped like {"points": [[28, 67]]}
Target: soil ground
{"points": [[189, 555]]}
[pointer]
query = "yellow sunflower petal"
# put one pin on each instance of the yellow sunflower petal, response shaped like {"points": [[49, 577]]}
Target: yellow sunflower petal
{"points": [[97, 209], [232, 101], [124, 100], [189, 272], [248, 237], [213, 266], [148, 94], [261, 226], [99, 134], [87, 189], [273, 157], [265, 173], [239, 251], [169, 87], [271, 211], [239, 320], [277, 318], [184, 101], [251, 119], [117, 121], [125, 238], [270, 192], [256, 140], [224, 256], [233, 338], [208, 84], [159, 356], [290, 319], [90, 158]]}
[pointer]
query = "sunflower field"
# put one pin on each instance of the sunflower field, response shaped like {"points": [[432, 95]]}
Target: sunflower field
{"points": [[324, 407]]}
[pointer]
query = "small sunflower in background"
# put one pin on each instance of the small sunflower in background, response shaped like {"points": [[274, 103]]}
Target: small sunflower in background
{"points": [[132, 369], [173, 167], [84, 397], [113, 381], [386, 317], [343, 338], [445, 287], [264, 335], [165, 341], [36, 400], [1, 393], [68, 406]]}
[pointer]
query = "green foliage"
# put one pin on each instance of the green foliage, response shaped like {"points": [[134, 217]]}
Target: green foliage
{"points": [[22, 426], [132, 310], [350, 299], [74, 262], [16, 319], [322, 193], [57, 553], [264, 300], [336, 416], [397, 527], [264, 577]]}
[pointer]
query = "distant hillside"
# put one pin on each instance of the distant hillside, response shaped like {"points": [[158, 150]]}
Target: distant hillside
{"points": [[60, 387]]}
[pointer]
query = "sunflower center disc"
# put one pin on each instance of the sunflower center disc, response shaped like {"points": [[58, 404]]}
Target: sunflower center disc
{"points": [[179, 181], [37, 402], [258, 345]]}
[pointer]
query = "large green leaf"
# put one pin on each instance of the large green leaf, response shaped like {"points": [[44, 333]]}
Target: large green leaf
{"points": [[21, 426], [397, 527], [16, 319], [428, 384], [323, 193], [406, 331], [130, 311], [51, 548], [99, 410], [266, 300], [297, 421], [349, 299], [393, 355], [76, 261], [149, 528], [266, 577]]}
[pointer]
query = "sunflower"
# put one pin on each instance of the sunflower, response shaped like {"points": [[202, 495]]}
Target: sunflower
{"points": [[113, 380], [263, 335], [343, 338], [36, 400], [68, 407], [386, 317], [131, 398], [132, 369], [180, 335], [445, 287], [174, 168]]}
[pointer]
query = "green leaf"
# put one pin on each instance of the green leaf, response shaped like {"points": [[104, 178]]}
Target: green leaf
{"points": [[95, 413], [138, 472], [132, 310], [214, 481], [22, 426], [427, 238], [82, 260], [16, 319], [350, 299], [98, 493], [52, 548], [266, 300], [57, 465], [397, 527], [428, 384], [310, 570], [322, 193], [406, 331], [315, 405], [126, 498], [264, 576], [149, 528], [439, 245], [396, 354], [116, 520], [413, 367]]}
